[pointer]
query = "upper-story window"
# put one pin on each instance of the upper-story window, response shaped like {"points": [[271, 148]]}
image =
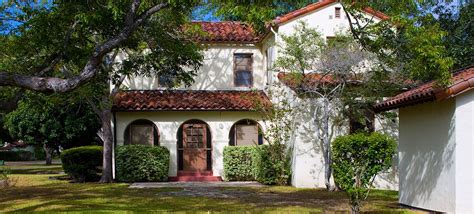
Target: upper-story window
{"points": [[337, 12], [243, 72]]}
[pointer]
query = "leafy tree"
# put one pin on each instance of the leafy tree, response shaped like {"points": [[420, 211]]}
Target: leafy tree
{"points": [[459, 27], [358, 158], [53, 122], [61, 45], [324, 76]]}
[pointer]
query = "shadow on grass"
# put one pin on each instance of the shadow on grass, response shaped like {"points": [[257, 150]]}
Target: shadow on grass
{"points": [[38, 194]]}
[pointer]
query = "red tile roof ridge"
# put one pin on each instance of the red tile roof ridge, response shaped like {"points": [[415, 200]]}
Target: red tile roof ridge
{"points": [[462, 81], [315, 6]]}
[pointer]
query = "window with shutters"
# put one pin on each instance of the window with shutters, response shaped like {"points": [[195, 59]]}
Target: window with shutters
{"points": [[243, 72]]}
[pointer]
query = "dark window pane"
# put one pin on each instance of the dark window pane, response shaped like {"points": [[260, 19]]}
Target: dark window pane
{"points": [[243, 78], [243, 70]]}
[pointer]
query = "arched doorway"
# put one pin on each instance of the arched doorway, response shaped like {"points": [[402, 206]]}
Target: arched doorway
{"points": [[194, 146], [143, 132], [245, 132]]}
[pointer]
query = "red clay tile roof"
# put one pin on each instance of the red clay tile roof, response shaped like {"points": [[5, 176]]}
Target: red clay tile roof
{"points": [[315, 6], [227, 31], [311, 80], [462, 81], [189, 100]]}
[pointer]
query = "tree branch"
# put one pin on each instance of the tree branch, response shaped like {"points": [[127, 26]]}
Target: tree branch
{"points": [[54, 84]]}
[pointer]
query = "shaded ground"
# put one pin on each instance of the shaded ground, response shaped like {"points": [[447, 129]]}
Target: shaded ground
{"points": [[36, 192]]}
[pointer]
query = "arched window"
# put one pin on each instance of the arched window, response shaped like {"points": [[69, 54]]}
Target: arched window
{"points": [[245, 133], [143, 132]]}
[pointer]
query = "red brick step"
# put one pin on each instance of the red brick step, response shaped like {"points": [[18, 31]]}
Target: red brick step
{"points": [[204, 176]]}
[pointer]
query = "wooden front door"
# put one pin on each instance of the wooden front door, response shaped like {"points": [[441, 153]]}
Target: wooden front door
{"points": [[194, 147]]}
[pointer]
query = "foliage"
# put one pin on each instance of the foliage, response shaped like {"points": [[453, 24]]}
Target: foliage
{"points": [[55, 121], [270, 167], [82, 163], [16, 155], [357, 159], [402, 44], [142, 163], [66, 44], [256, 13], [39, 154], [459, 28], [238, 162], [322, 73]]}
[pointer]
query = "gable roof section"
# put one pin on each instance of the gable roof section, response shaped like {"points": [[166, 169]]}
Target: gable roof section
{"points": [[462, 81], [315, 6], [227, 31], [189, 100]]}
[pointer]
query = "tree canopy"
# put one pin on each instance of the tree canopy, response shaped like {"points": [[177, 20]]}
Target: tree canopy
{"points": [[61, 45]]}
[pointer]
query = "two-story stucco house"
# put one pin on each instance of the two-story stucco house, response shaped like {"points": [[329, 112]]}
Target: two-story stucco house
{"points": [[197, 122]]}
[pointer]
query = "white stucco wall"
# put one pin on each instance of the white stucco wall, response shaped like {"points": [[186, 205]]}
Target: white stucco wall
{"points": [[427, 155], [465, 152], [168, 123], [322, 19], [217, 71], [308, 162]]}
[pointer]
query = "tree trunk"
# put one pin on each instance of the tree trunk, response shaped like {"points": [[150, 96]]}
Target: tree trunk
{"points": [[105, 118], [355, 209], [327, 146], [49, 154]]}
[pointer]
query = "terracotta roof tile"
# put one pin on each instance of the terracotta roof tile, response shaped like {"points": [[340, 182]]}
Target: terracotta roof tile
{"points": [[315, 6], [228, 31], [462, 81], [311, 80], [188, 100]]}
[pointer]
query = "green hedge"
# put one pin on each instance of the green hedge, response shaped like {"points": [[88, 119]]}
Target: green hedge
{"points": [[16, 155], [142, 163], [266, 164], [82, 163], [238, 163], [270, 165]]}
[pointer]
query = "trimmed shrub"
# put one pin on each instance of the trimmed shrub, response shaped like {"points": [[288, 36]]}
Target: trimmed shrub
{"points": [[357, 159], [238, 163], [16, 155], [271, 165], [142, 163], [82, 163]]}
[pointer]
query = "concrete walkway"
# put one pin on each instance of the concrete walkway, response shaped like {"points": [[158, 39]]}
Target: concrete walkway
{"points": [[194, 184], [203, 189]]}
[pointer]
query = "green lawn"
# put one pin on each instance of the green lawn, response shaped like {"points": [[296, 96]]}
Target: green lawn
{"points": [[36, 192]]}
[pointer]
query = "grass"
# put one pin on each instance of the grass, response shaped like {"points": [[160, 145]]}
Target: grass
{"points": [[35, 191]]}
